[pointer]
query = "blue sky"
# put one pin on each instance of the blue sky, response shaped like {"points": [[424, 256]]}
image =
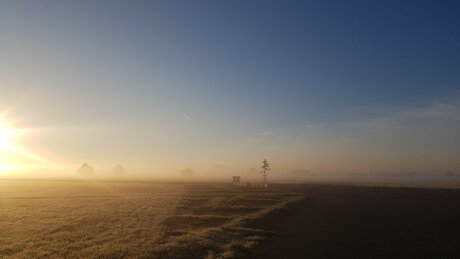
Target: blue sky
{"points": [[209, 75]]}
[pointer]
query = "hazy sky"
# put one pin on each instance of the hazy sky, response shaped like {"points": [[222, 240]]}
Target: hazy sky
{"points": [[330, 86]]}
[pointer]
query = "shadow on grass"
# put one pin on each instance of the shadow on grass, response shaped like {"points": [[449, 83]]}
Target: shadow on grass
{"points": [[212, 221]]}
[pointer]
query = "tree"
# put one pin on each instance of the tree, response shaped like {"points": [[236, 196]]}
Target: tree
{"points": [[118, 170], [85, 170], [265, 168]]}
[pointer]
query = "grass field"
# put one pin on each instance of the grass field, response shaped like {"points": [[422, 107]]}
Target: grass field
{"points": [[213, 221], [132, 219]]}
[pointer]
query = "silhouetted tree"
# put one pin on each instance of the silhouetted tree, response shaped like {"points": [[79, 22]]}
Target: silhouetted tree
{"points": [[85, 170], [118, 170], [265, 168]]}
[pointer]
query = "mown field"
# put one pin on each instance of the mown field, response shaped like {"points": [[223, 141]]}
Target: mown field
{"points": [[91, 219]]}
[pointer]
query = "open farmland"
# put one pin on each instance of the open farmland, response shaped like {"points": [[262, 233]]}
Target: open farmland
{"points": [[83, 219], [131, 219]]}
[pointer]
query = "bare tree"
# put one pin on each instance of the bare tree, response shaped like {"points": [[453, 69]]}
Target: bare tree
{"points": [[265, 168]]}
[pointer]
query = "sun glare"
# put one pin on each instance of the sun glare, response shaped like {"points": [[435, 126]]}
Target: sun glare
{"points": [[14, 156], [11, 154], [6, 145], [7, 135]]}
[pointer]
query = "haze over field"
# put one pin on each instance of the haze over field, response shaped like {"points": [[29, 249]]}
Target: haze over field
{"points": [[229, 129], [161, 86]]}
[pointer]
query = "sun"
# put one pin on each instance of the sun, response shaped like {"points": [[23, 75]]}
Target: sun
{"points": [[7, 135], [7, 145], [15, 157], [11, 153]]}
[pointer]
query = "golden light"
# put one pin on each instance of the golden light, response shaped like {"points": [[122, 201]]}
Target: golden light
{"points": [[6, 137], [7, 146], [15, 157]]}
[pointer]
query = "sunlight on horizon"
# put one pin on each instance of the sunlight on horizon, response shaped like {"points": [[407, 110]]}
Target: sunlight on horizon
{"points": [[15, 157], [160, 87], [6, 137], [7, 145]]}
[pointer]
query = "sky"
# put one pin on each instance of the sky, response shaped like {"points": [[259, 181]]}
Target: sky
{"points": [[217, 86]]}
